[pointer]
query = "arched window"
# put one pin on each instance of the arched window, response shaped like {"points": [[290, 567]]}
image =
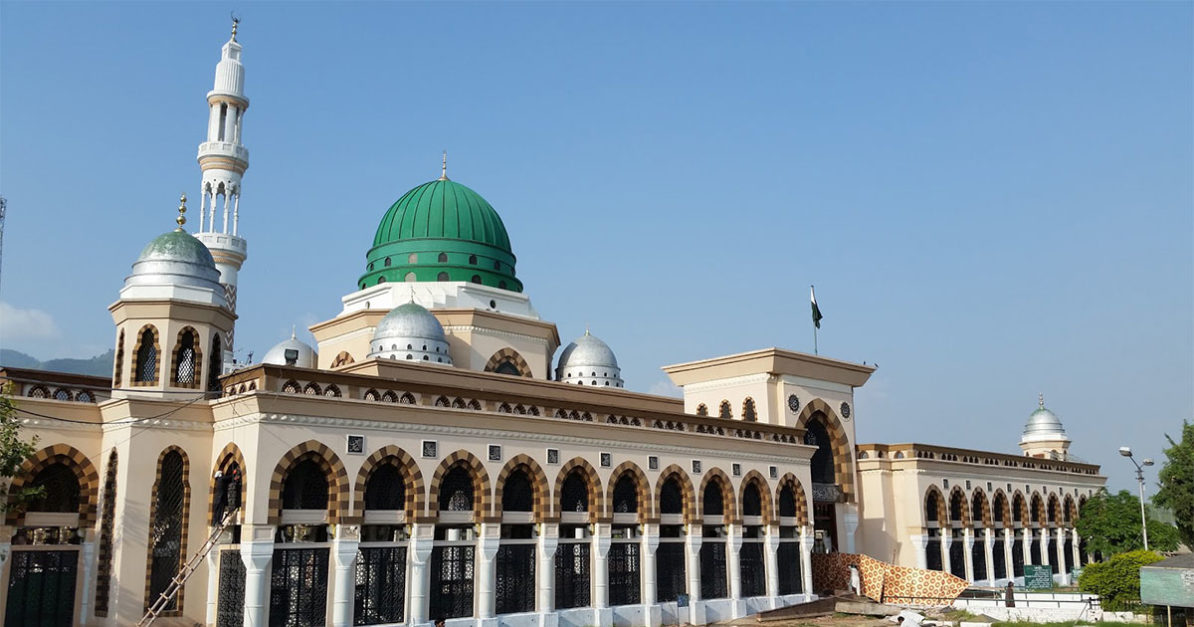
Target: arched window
{"points": [[215, 362], [932, 508], [748, 410], [574, 494], [62, 394], [186, 361], [305, 487], [476, 278], [497, 265], [518, 495], [998, 507], [442, 276], [472, 259], [410, 277], [752, 503], [456, 491], [702, 410], [976, 508], [1017, 508], [146, 370], [787, 502], [380, 280], [385, 489], [443, 257], [625, 495], [166, 528], [118, 374], [713, 505], [387, 262], [671, 497], [821, 465], [412, 258], [724, 410], [955, 507], [502, 284], [60, 490]]}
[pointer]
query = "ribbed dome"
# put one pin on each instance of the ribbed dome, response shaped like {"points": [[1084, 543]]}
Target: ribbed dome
{"points": [[589, 361], [303, 356], [176, 258], [1043, 425], [412, 333], [441, 231]]}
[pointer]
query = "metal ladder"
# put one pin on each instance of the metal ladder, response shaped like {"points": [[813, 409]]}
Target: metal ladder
{"points": [[187, 570]]}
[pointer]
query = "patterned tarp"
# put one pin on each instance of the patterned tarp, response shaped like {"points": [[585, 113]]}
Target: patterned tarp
{"points": [[886, 583]]}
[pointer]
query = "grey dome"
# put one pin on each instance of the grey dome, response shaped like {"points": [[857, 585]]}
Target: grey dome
{"points": [[176, 258], [303, 356], [1043, 425], [411, 333], [589, 361]]}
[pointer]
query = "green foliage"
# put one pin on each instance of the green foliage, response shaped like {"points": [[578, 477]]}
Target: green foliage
{"points": [[1110, 523], [1117, 581], [1177, 483], [13, 450]]}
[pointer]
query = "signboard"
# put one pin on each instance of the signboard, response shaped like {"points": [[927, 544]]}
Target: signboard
{"points": [[1038, 577], [1167, 586]]}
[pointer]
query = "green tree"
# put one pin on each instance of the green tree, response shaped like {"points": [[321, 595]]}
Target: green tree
{"points": [[13, 451], [1177, 483], [1110, 523], [1117, 581]]}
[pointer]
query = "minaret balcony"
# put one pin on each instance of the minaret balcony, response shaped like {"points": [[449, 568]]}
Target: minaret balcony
{"points": [[224, 149]]}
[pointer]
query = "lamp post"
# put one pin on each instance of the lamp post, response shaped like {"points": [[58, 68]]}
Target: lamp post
{"points": [[1126, 451]]}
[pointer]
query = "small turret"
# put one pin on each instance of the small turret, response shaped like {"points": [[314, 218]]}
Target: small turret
{"points": [[1043, 434]]}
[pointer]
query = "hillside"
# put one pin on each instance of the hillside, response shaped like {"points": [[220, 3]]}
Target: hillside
{"points": [[100, 365]]}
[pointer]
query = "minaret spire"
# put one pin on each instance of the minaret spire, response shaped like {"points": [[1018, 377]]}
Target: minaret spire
{"points": [[223, 160], [443, 175]]}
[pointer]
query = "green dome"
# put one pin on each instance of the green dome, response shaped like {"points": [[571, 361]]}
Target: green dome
{"points": [[441, 231], [177, 245]]}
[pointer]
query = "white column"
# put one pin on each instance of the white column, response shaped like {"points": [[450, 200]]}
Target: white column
{"points": [[344, 554], [256, 550], [734, 564], [921, 542], [211, 213], [87, 559], [490, 540], [236, 212], [229, 123], [1009, 567], [850, 519], [227, 195], [202, 207], [602, 614], [549, 540], [1044, 543], [213, 122], [806, 560], [968, 552], [770, 548], [946, 540], [422, 538], [989, 552], [1074, 549], [650, 542], [692, 544]]}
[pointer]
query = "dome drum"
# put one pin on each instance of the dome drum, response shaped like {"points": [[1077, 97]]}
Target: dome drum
{"points": [[410, 333], [465, 261], [589, 361]]}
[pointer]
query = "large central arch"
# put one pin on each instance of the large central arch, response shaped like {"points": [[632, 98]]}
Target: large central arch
{"points": [[843, 460]]}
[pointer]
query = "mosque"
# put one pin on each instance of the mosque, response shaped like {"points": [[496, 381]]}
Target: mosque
{"points": [[433, 458]]}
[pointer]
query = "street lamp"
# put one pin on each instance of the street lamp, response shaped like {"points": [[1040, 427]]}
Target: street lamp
{"points": [[1126, 451]]}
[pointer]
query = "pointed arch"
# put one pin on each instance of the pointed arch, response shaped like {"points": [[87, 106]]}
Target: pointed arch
{"points": [[412, 478], [118, 370], [1020, 508], [596, 495], [979, 497], [1053, 510], [756, 478], [1001, 510], [842, 451], [228, 456], [505, 360], [82, 468], [482, 491], [688, 499], [333, 469], [961, 505], [727, 494], [542, 491], [934, 499], [1070, 511], [642, 488], [790, 480], [749, 413], [186, 360], [147, 357], [160, 531], [343, 358], [1037, 509]]}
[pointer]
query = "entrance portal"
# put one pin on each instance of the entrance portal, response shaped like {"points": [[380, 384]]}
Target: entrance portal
{"points": [[826, 492]]}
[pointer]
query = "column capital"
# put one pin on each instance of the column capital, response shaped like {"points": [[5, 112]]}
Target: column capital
{"points": [[920, 540], [256, 554]]}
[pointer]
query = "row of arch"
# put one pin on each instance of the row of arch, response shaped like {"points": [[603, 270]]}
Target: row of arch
{"points": [[980, 512], [185, 367], [61, 394], [725, 410], [413, 259]]}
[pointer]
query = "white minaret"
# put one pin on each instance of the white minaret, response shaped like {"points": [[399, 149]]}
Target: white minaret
{"points": [[223, 160]]}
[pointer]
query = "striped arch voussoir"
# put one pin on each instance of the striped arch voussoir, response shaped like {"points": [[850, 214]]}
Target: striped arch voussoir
{"points": [[412, 477], [689, 500], [727, 495], [942, 508], [986, 509], [86, 473], [1037, 502], [1053, 504], [542, 504], [1069, 506], [1006, 509], [596, 495], [229, 455], [642, 488], [798, 494], [842, 451], [481, 484], [329, 462], [756, 478], [511, 355], [153, 514], [958, 493]]}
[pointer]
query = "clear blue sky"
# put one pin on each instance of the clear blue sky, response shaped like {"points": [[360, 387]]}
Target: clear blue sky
{"points": [[993, 199]]}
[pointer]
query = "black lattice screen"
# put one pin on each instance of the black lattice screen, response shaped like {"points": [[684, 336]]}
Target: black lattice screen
{"points": [[299, 588], [452, 569], [41, 588], [166, 529], [933, 554], [624, 573], [957, 558], [978, 555], [787, 561], [380, 586], [752, 569], [669, 571], [515, 578], [1017, 558], [999, 561], [713, 570], [230, 605], [1034, 550], [572, 575]]}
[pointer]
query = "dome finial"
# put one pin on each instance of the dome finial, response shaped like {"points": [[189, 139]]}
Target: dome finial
{"points": [[443, 175], [235, 23], [1041, 399], [182, 210], [292, 336]]}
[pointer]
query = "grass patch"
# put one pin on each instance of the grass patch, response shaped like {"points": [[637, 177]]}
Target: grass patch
{"points": [[957, 616]]}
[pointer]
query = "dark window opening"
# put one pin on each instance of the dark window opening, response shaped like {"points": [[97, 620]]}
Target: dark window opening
{"points": [[305, 487], [517, 494], [385, 489], [625, 496], [61, 490], [456, 491], [574, 493]]}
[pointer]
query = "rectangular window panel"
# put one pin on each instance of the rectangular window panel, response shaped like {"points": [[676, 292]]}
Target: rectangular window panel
{"points": [[1017, 557], [380, 586], [572, 575], [623, 573], [713, 570], [753, 573], [788, 562], [998, 560], [299, 588], [669, 568], [515, 578], [230, 607], [452, 569], [41, 588]]}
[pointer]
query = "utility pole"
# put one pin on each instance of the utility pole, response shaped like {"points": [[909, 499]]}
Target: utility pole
{"points": [[1127, 452]]}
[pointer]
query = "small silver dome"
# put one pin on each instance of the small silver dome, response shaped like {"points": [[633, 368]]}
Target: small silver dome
{"points": [[292, 352], [589, 361], [410, 333], [1043, 425], [176, 258]]}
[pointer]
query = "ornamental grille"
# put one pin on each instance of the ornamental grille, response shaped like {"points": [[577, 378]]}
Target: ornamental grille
{"points": [[625, 496], [572, 575], [166, 530], [978, 555], [147, 358], [624, 573], [1017, 558], [713, 505], [1034, 551], [306, 487], [456, 493], [669, 565], [385, 490], [61, 395], [787, 561], [999, 560], [298, 588], [61, 490], [380, 586], [750, 565], [933, 554], [184, 371], [671, 500], [230, 605], [41, 588], [515, 578], [713, 570], [575, 497], [957, 559], [103, 579], [451, 582]]}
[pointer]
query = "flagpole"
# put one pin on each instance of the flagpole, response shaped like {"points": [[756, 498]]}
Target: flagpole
{"points": [[815, 351]]}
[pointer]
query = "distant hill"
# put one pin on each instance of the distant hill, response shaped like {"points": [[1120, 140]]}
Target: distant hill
{"points": [[100, 365]]}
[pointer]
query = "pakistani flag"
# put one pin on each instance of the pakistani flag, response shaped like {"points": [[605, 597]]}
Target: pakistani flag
{"points": [[816, 310]]}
